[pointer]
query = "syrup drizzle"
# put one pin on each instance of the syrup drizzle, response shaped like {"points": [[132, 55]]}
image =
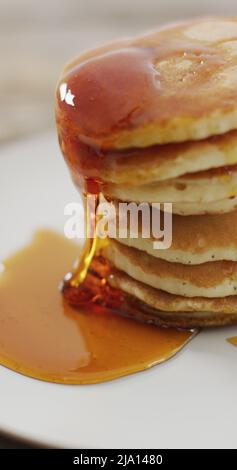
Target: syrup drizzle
{"points": [[78, 276]]}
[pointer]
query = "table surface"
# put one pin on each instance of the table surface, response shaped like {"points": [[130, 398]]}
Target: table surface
{"points": [[36, 42]]}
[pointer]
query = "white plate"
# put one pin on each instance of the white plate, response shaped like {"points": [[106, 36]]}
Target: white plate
{"points": [[190, 401]]}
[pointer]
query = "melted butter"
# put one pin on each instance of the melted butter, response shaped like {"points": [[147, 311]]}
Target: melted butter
{"points": [[232, 340], [42, 336]]}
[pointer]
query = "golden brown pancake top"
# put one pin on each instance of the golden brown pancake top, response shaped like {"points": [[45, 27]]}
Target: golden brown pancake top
{"points": [[176, 84]]}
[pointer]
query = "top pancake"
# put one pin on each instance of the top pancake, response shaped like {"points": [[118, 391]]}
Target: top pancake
{"points": [[174, 85]]}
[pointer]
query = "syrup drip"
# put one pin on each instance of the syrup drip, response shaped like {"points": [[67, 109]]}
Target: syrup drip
{"points": [[232, 340], [91, 245], [42, 336]]}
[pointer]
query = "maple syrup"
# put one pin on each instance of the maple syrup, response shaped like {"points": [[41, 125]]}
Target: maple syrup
{"points": [[232, 340], [42, 336]]}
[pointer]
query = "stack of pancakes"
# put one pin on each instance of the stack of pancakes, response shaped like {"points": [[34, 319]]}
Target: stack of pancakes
{"points": [[160, 114]]}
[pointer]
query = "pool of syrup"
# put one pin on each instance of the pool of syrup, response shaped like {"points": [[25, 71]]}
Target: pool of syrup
{"points": [[43, 336]]}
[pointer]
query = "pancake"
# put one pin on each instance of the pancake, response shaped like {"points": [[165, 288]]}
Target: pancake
{"points": [[156, 163], [162, 308], [221, 206], [195, 239], [173, 85], [213, 279], [203, 187]]}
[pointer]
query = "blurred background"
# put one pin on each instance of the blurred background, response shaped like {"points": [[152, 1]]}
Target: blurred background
{"points": [[38, 37]]}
